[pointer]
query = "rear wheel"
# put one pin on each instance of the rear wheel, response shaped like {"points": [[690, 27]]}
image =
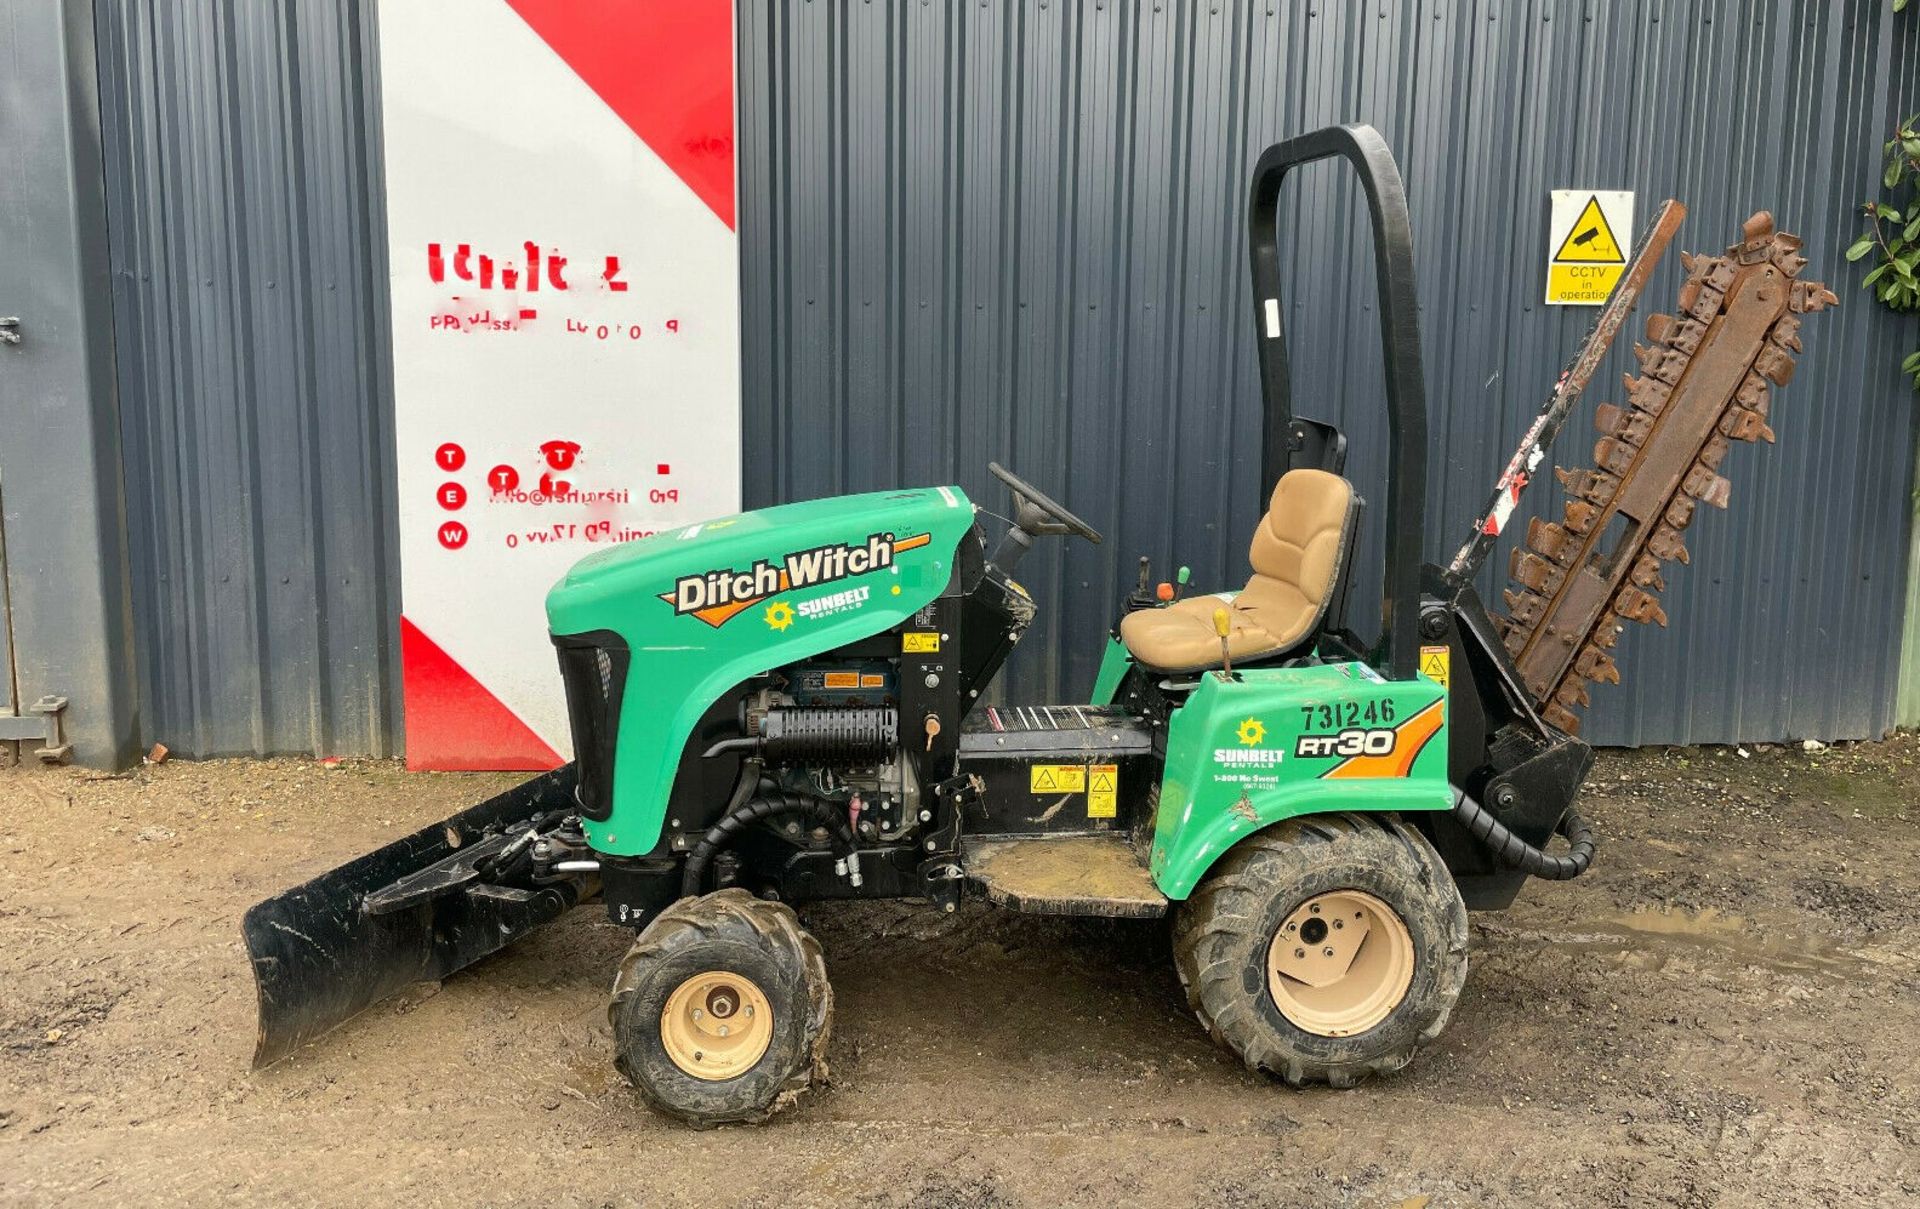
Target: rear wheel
{"points": [[722, 1009], [1325, 949]]}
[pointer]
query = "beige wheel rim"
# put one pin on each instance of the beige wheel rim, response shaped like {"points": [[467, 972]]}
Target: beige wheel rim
{"points": [[1340, 963], [716, 1025]]}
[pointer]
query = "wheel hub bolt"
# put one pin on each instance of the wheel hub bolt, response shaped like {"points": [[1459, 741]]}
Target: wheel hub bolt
{"points": [[1326, 952], [1299, 952]]}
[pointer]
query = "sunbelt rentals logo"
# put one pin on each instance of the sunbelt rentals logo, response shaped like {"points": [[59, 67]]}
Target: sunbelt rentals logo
{"points": [[718, 596], [780, 614], [1251, 733]]}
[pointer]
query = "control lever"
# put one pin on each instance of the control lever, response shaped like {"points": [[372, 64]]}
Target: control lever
{"points": [[1142, 595], [1222, 625], [1170, 592]]}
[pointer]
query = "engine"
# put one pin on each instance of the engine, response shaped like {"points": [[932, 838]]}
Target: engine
{"points": [[831, 730]]}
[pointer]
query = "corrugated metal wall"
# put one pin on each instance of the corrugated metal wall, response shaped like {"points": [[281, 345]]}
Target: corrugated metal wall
{"points": [[249, 259], [1014, 230]]}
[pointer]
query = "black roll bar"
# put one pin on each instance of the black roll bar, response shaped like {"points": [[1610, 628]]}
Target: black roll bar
{"points": [[1363, 147]]}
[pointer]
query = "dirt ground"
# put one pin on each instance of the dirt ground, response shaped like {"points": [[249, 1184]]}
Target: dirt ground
{"points": [[1724, 1011]]}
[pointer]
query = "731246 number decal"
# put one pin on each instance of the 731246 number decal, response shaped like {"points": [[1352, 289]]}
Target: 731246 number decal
{"points": [[1341, 715]]}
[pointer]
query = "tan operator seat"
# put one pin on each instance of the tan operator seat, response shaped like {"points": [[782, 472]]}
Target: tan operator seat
{"points": [[1299, 550]]}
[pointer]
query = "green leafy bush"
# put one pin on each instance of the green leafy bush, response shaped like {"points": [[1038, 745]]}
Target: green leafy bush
{"points": [[1893, 238]]}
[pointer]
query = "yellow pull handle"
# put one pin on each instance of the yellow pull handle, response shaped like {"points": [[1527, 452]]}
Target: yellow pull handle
{"points": [[1222, 622]]}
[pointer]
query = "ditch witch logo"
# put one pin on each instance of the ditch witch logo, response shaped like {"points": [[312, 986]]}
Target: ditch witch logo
{"points": [[717, 597]]}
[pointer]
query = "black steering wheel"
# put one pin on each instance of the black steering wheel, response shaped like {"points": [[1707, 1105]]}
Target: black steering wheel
{"points": [[1037, 513]]}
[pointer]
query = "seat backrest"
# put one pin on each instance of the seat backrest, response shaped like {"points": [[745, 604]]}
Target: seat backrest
{"points": [[1299, 552]]}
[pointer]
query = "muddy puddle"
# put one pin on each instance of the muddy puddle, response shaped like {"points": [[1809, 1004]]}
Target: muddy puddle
{"points": [[1648, 937]]}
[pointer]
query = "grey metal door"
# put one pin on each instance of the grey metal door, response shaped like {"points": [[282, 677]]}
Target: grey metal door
{"points": [[63, 608]]}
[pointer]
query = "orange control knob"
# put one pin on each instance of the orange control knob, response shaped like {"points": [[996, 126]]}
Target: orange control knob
{"points": [[1164, 592]]}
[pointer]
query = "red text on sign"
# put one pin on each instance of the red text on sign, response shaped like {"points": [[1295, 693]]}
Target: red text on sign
{"points": [[525, 272]]}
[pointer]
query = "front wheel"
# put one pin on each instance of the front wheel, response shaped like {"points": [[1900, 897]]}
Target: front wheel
{"points": [[721, 1010], [1325, 949]]}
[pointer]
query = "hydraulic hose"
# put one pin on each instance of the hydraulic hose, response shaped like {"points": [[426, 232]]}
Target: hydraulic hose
{"points": [[1516, 852], [766, 806], [747, 785]]}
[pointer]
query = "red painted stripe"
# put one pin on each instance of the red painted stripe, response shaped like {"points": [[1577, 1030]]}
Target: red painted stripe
{"points": [[453, 721], [666, 67]]}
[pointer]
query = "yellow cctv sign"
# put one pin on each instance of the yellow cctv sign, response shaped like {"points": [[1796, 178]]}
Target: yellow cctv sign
{"points": [[1586, 241]]}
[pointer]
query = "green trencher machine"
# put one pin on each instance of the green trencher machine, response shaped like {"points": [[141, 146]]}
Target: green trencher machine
{"points": [[793, 704]]}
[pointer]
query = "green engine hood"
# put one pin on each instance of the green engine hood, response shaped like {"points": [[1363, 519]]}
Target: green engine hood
{"points": [[704, 607]]}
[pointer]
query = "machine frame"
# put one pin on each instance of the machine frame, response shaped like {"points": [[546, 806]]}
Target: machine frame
{"points": [[795, 704]]}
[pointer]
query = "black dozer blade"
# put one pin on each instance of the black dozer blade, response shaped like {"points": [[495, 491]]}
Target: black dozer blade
{"points": [[321, 956]]}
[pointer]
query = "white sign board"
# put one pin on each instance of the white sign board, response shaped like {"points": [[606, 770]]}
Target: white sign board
{"points": [[1589, 235], [560, 209]]}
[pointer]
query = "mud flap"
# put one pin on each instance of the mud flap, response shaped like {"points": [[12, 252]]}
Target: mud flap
{"points": [[320, 958]]}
